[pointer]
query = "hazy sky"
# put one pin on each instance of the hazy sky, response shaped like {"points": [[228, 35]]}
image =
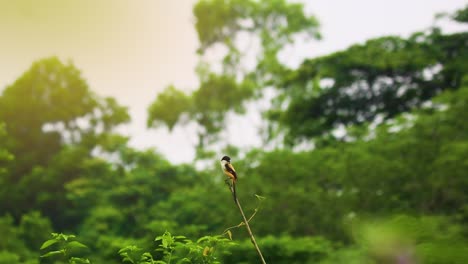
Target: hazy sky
{"points": [[131, 50]]}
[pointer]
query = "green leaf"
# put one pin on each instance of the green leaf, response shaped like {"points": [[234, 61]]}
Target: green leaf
{"points": [[261, 198], [48, 243], [127, 258], [129, 249], [79, 261], [76, 244], [201, 239], [206, 251], [53, 253], [146, 258], [167, 239]]}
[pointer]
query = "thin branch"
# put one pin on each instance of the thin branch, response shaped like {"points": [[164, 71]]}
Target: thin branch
{"points": [[246, 222], [241, 224]]}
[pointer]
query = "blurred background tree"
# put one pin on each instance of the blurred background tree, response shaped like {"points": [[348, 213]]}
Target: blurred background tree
{"points": [[53, 122], [226, 83]]}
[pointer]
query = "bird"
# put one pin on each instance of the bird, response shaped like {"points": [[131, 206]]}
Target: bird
{"points": [[229, 170]]}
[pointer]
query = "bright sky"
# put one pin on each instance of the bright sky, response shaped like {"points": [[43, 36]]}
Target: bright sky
{"points": [[132, 50]]}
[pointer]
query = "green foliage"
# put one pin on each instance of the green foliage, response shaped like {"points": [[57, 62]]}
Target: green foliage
{"points": [[168, 107], [53, 124], [348, 255], [317, 193], [7, 257], [10, 240], [283, 249], [226, 24], [379, 79], [5, 156], [403, 171], [461, 15], [22, 242], [221, 21], [392, 190], [34, 229], [131, 254], [64, 247], [172, 104], [405, 238], [179, 249]]}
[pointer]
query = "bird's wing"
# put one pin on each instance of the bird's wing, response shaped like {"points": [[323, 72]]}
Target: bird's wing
{"points": [[231, 169]]}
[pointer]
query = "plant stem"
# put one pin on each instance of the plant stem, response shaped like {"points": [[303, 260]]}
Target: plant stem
{"points": [[252, 238]]}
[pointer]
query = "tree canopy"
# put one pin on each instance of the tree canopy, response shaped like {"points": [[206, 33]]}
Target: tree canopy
{"points": [[53, 122], [227, 25]]}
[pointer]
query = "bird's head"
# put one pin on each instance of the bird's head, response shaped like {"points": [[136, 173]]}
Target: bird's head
{"points": [[226, 158]]}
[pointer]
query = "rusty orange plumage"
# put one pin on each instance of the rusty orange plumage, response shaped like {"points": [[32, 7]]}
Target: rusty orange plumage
{"points": [[229, 170]]}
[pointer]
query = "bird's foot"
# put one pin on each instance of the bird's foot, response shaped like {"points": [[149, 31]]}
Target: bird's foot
{"points": [[228, 182]]}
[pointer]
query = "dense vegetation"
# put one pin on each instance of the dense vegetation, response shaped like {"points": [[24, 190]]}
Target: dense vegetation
{"points": [[384, 178]]}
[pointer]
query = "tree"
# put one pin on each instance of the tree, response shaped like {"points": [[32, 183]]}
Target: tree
{"points": [[53, 123], [229, 24], [369, 82]]}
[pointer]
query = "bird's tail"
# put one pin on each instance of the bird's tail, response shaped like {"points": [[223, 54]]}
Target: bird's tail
{"points": [[234, 195]]}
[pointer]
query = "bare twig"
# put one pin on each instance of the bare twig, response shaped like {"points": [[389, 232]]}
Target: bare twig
{"points": [[246, 222], [241, 223]]}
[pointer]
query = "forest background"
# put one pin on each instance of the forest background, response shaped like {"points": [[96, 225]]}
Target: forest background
{"points": [[364, 153]]}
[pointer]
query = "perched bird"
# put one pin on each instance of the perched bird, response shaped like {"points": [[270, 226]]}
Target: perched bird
{"points": [[229, 170]]}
